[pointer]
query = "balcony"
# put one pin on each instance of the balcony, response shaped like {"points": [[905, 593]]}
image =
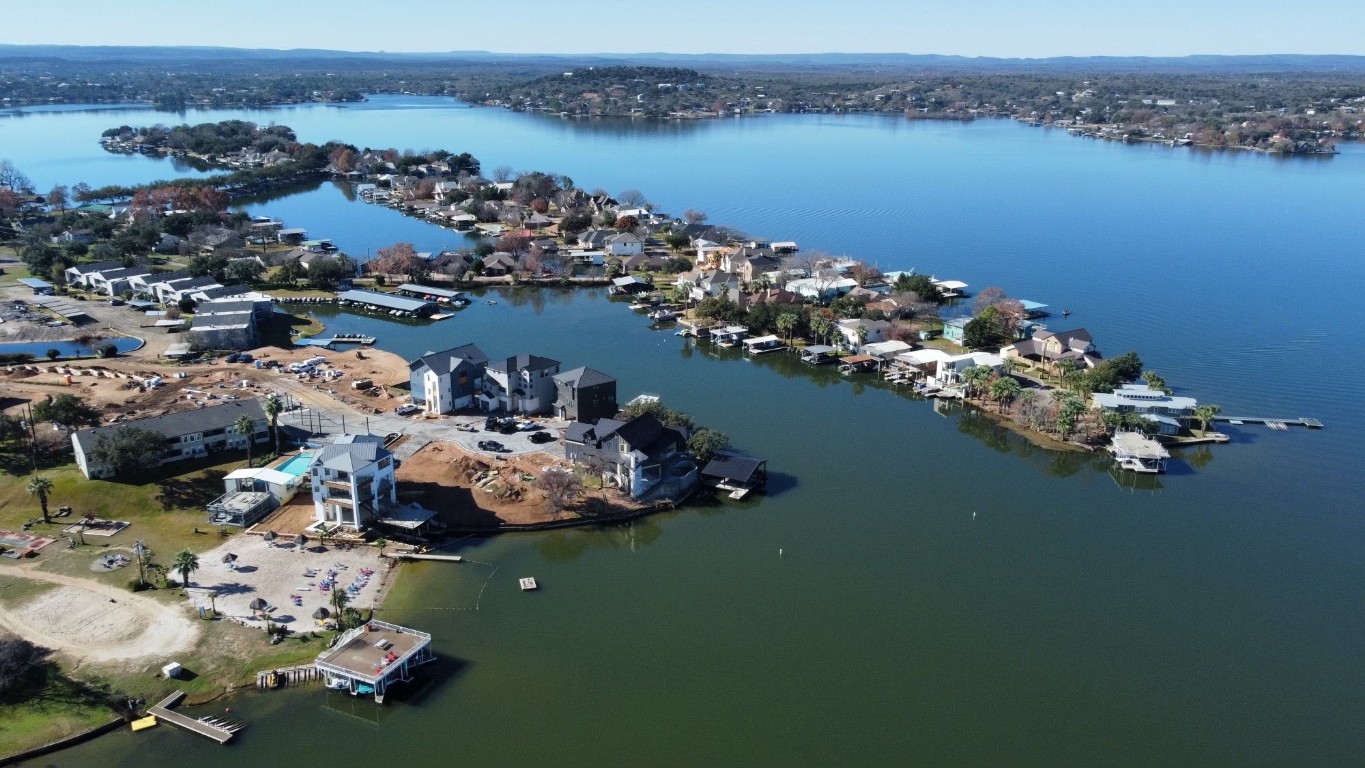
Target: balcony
{"points": [[338, 485]]}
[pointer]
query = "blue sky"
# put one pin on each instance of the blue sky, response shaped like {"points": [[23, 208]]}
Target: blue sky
{"points": [[1011, 28]]}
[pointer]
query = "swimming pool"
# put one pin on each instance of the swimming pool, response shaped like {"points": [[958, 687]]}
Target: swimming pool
{"points": [[298, 465]]}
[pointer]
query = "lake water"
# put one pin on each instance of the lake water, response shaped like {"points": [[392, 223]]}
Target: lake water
{"points": [[945, 594], [68, 347]]}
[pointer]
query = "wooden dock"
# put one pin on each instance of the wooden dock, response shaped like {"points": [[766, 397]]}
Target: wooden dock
{"points": [[424, 556], [218, 729], [1273, 423], [287, 676]]}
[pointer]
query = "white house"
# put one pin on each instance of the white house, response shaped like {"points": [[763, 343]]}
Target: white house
{"points": [[520, 384], [875, 329], [353, 482], [624, 244], [1170, 412], [949, 370], [448, 381]]}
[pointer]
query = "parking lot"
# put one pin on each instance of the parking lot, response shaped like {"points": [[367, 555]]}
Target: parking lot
{"points": [[469, 432]]}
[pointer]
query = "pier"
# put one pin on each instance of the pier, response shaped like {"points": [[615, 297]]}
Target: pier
{"points": [[424, 556], [1273, 423], [218, 729]]}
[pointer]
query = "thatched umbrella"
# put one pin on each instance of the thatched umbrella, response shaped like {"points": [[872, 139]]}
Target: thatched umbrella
{"points": [[270, 538], [300, 541], [322, 613], [259, 604], [229, 558]]}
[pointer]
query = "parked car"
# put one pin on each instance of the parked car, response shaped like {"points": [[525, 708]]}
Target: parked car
{"points": [[493, 446], [405, 409], [542, 437]]}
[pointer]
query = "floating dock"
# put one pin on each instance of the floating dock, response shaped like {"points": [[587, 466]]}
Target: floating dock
{"points": [[218, 729], [528, 584]]}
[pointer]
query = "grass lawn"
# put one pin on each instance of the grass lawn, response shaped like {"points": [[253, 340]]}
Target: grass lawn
{"points": [[164, 511], [13, 272], [58, 710]]}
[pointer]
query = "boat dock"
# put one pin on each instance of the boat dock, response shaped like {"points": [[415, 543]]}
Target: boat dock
{"points": [[218, 729], [424, 556], [1273, 423], [331, 342]]}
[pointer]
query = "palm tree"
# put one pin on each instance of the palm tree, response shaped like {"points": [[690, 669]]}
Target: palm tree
{"points": [[1004, 390], [186, 562], [325, 534], [273, 408], [820, 326], [1155, 381], [246, 427], [213, 602], [1010, 365], [40, 486], [381, 543], [1205, 414], [1063, 368], [975, 377], [786, 323], [339, 600]]}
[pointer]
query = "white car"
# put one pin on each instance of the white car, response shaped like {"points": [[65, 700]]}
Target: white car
{"points": [[405, 409]]}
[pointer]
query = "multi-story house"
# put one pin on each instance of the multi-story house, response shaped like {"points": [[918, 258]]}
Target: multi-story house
{"points": [[520, 384], [443, 382], [353, 482]]}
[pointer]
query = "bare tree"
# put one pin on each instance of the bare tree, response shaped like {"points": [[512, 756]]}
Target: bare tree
{"points": [[694, 216], [632, 198], [502, 174], [561, 487]]}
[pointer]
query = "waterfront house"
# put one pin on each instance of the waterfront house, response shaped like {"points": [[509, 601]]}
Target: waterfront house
{"points": [[823, 287], [595, 239], [703, 284], [449, 380], [817, 354], [353, 482], [1170, 413], [189, 434], [500, 264], [949, 369], [584, 395], [875, 331], [775, 296], [172, 293], [520, 384], [624, 244], [632, 454], [1050, 348]]}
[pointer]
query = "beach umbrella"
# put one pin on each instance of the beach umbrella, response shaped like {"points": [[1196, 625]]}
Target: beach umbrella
{"points": [[229, 557], [270, 537], [300, 540], [259, 604], [321, 613]]}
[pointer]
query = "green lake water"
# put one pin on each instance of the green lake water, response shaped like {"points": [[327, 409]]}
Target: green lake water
{"points": [[920, 586]]}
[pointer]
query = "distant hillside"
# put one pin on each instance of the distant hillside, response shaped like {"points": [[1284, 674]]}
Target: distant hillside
{"points": [[1281, 63]]}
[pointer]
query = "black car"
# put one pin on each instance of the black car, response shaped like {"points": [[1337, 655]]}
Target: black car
{"points": [[492, 445], [542, 436]]}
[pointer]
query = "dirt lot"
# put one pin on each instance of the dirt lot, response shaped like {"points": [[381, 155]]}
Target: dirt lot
{"points": [[472, 490], [113, 385], [95, 622]]}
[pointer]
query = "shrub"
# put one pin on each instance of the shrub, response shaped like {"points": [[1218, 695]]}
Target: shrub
{"points": [[53, 354], [109, 350]]}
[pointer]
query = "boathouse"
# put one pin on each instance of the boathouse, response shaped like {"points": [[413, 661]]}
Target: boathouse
{"points": [[376, 301], [1139, 453], [736, 472], [367, 660]]}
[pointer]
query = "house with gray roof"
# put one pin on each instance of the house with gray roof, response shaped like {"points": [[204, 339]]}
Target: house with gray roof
{"points": [[191, 434], [632, 454], [353, 482], [520, 384], [1170, 413], [1050, 348], [447, 381], [585, 395]]}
